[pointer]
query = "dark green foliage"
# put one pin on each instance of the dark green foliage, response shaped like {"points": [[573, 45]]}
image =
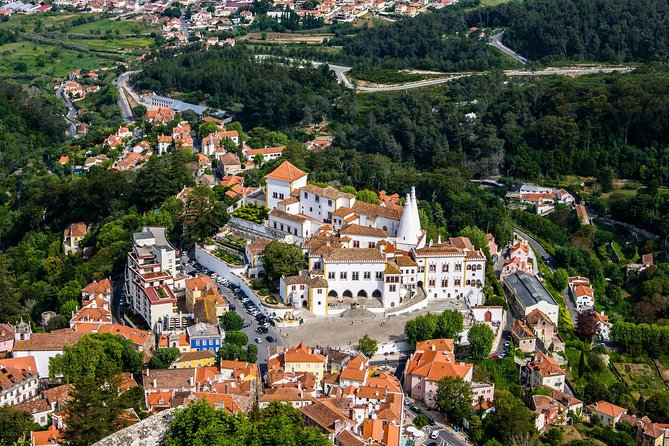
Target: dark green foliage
{"points": [[604, 30], [454, 399], [269, 94], [94, 354], [231, 321], [95, 409], [14, 425], [481, 338], [430, 326], [237, 338], [164, 357], [282, 259], [276, 425]]}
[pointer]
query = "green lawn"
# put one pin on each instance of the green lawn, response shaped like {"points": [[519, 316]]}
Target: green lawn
{"points": [[642, 379], [58, 62], [28, 23]]}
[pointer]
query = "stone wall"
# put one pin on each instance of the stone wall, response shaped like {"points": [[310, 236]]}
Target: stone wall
{"points": [[151, 431]]}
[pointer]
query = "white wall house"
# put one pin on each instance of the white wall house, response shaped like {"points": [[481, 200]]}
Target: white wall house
{"points": [[282, 182]]}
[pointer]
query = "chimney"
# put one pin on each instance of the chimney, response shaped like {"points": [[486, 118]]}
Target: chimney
{"points": [[155, 382]]}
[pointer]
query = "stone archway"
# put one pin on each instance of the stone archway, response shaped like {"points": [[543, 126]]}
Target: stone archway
{"points": [[362, 293], [347, 293], [488, 316], [377, 294]]}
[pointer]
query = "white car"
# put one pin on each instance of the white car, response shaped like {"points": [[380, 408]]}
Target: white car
{"points": [[434, 435]]}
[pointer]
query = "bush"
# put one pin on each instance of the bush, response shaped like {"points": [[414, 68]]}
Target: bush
{"points": [[420, 421], [271, 300]]}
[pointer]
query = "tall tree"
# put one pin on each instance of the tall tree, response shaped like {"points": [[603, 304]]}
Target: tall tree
{"points": [[481, 338], [454, 399], [449, 324], [282, 259], [164, 357], [15, 425], [203, 214], [586, 325], [95, 409], [367, 346]]}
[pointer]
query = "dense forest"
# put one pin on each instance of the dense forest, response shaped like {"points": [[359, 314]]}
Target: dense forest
{"points": [[437, 41], [605, 30], [257, 93], [29, 125]]}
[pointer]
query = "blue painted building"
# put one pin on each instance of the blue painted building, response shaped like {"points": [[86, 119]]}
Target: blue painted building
{"points": [[204, 336]]}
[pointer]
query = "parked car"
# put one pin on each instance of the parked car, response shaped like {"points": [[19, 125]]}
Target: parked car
{"points": [[434, 435], [270, 339], [265, 325], [232, 307], [258, 341], [415, 408], [262, 330], [246, 324]]}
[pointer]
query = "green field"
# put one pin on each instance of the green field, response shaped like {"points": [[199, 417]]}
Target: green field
{"points": [[104, 26], [117, 45], [58, 62]]}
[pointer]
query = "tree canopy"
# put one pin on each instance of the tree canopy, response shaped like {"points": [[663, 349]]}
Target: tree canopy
{"points": [[282, 259], [276, 425]]}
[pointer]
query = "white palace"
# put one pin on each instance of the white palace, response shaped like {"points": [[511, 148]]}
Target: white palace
{"points": [[361, 250]]}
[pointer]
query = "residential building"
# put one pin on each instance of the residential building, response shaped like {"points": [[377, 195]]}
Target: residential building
{"points": [[583, 296], [150, 278], [203, 289], [195, 359], [609, 414], [72, 236], [49, 437], [97, 289], [204, 336], [299, 359], [305, 291], [523, 337], [267, 153], [19, 381], [96, 312], [426, 367], [542, 326], [6, 338], [528, 294], [546, 371], [582, 214]]}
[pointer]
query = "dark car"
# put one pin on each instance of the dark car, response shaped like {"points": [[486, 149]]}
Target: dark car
{"points": [[415, 409], [270, 339], [261, 317], [262, 330], [232, 308]]}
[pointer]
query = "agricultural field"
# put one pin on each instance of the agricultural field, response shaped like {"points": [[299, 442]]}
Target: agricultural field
{"points": [[109, 26], [33, 58], [641, 378], [115, 45]]}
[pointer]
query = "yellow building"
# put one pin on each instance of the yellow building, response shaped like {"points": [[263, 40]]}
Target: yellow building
{"points": [[203, 289], [302, 359], [192, 360]]}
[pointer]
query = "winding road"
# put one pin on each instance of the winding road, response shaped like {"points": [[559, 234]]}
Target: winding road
{"points": [[121, 83], [496, 42], [71, 115], [340, 71]]}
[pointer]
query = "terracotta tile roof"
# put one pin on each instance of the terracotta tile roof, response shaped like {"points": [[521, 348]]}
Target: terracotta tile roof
{"points": [[284, 394], [326, 192], [324, 413], [607, 408], [385, 380], [23, 363], [405, 261], [520, 245], [363, 231], [229, 159], [372, 211], [521, 331], [647, 259], [435, 365], [537, 316], [371, 393], [302, 353], [35, 406], [373, 429], [299, 218], [161, 398], [231, 180], [440, 345], [348, 438], [134, 335], [10, 376], [48, 437], [314, 282], [545, 365], [59, 394], [264, 151], [342, 212], [195, 356], [286, 172], [392, 269], [256, 248], [54, 341], [169, 378], [462, 243], [76, 230], [352, 374], [104, 286], [219, 401], [582, 290], [355, 255], [163, 341]]}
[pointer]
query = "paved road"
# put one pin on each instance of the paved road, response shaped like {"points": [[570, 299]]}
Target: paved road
{"points": [[118, 296], [184, 28], [550, 260], [497, 43], [121, 83], [250, 331], [447, 436], [340, 71], [71, 115]]}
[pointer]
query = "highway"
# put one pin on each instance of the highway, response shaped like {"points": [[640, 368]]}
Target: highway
{"points": [[497, 43]]}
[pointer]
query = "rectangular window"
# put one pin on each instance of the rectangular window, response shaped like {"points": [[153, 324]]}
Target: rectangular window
{"points": [[367, 275], [319, 291], [444, 283], [301, 287], [331, 275], [444, 268], [355, 275], [379, 275], [342, 275], [431, 283], [329, 202], [371, 244], [392, 288], [318, 199], [306, 195], [356, 243], [421, 269], [432, 268]]}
